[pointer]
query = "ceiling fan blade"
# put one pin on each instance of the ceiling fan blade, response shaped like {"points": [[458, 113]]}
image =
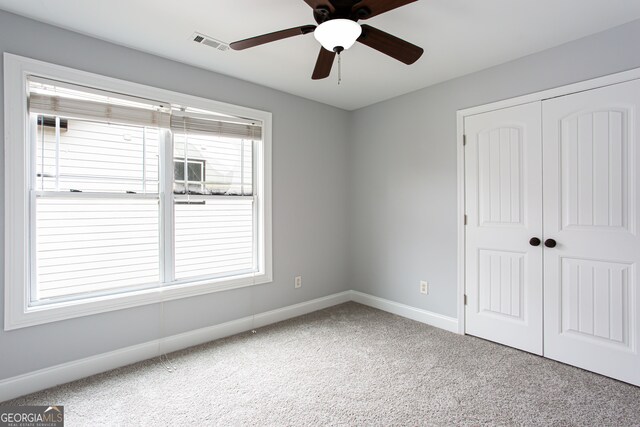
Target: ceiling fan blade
{"points": [[390, 45], [321, 3], [323, 64], [376, 7], [271, 37]]}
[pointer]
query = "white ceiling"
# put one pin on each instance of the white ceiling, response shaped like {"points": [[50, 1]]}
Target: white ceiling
{"points": [[458, 36]]}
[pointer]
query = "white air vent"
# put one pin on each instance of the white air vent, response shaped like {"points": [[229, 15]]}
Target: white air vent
{"points": [[209, 41]]}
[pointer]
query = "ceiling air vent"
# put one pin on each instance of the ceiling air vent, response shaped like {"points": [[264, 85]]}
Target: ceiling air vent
{"points": [[210, 41]]}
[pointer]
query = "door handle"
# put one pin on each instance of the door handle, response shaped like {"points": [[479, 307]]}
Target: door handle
{"points": [[550, 243], [534, 241]]}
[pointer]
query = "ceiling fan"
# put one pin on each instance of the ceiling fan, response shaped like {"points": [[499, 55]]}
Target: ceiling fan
{"points": [[338, 30]]}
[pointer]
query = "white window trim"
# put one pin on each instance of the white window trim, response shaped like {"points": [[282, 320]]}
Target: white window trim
{"points": [[18, 314]]}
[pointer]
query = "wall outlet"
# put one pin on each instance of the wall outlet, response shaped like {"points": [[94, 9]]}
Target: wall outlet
{"points": [[298, 282], [424, 287]]}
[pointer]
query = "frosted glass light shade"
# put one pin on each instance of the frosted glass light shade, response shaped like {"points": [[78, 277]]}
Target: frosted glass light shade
{"points": [[337, 33]]}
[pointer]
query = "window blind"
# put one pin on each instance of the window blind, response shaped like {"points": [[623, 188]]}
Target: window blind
{"points": [[225, 127], [52, 98], [97, 111]]}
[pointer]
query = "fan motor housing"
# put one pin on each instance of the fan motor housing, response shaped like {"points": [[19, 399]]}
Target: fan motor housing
{"points": [[342, 9]]}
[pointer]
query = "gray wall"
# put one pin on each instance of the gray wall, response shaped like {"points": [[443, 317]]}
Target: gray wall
{"points": [[309, 202], [402, 159]]}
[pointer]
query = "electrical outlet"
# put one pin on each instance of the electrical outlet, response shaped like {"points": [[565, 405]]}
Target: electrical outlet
{"points": [[298, 282], [424, 287]]}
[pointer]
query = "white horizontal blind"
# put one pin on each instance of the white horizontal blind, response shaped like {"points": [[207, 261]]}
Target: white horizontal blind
{"points": [[95, 245], [48, 97], [214, 237], [223, 127]]}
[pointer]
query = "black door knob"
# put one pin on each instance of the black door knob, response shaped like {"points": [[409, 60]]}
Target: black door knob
{"points": [[550, 243], [534, 241]]}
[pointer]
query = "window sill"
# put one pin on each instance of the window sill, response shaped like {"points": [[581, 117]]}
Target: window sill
{"points": [[54, 312]]}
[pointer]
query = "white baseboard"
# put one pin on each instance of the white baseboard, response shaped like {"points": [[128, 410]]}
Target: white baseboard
{"points": [[439, 321], [21, 385]]}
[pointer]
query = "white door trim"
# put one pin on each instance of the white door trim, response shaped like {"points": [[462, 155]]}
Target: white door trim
{"points": [[608, 80]]}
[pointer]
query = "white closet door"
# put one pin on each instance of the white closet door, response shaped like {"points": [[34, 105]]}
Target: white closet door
{"points": [[503, 165], [590, 169]]}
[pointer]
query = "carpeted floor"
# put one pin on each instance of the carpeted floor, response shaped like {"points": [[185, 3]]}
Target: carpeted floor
{"points": [[347, 365]]}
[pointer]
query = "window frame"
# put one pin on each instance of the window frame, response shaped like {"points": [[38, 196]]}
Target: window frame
{"points": [[18, 166]]}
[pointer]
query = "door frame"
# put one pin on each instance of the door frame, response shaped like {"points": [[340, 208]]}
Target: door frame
{"points": [[598, 82]]}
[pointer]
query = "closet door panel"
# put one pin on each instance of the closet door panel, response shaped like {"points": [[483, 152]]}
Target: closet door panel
{"points": [[503, 204], [591, 296]]}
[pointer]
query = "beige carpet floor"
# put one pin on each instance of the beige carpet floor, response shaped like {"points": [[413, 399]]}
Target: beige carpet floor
{"points": [[347, 365]]}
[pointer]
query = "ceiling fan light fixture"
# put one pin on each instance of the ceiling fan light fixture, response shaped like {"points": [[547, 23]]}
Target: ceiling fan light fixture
{"points": [[337, 35]]}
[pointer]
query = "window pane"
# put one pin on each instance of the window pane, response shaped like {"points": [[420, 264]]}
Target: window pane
{"points": [[215, 238], [226, 163], [195, 171], [178, 170], [96, 157], [95, 245]]}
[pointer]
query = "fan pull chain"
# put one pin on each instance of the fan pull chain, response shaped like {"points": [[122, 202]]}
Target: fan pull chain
{"points": [[339, 69]]}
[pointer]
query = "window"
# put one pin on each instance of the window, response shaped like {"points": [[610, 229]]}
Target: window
{"points": [[117, 199]]}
